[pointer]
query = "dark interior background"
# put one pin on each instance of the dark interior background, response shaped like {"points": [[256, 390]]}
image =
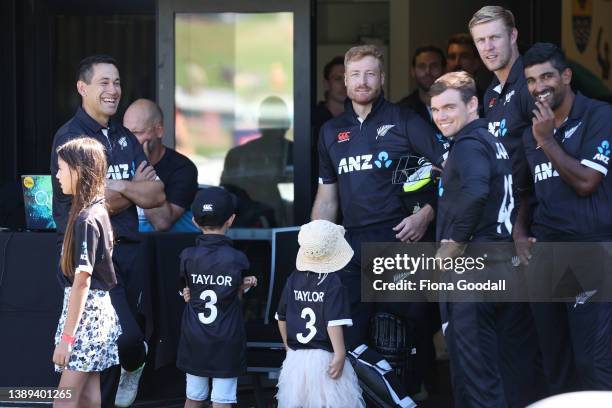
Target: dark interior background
{"points": [[42, 41]]}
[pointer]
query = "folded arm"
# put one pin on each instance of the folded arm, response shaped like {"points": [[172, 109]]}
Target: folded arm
{"points": [[163, 217]]}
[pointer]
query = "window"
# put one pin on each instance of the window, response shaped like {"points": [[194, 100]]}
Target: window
{"points": [[234, 108]]}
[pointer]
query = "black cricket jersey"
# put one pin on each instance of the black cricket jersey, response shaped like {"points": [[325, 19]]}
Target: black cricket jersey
{"points": [[560, 213], [475, 196], [123, 153], [363, 156], [213, 339], [311, 302], [92, 241], [508, 110], [415, 103]]}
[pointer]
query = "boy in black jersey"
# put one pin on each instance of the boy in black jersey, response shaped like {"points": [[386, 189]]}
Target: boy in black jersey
{"points": [[213, 340], [312, 311], [492, 345]]}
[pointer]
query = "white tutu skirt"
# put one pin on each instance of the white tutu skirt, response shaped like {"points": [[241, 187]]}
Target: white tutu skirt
{"points": [[305, 383]]}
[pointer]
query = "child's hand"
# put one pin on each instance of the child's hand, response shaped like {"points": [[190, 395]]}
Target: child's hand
{"points": [[336, 366], [248, 282], [61, 355], [186, 294]]}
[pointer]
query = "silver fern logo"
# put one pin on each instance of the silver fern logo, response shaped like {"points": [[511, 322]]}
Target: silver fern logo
{"points": [[381, 131], [123, 142], [570, 132]]}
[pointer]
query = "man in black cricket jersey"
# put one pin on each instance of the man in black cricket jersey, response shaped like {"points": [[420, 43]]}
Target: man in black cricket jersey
{"points": [[428, 64], [330, 107], [358, 152], [568, 151], [488, 341], [334, 97], [462, 55], [507, 103], [131, 181]]}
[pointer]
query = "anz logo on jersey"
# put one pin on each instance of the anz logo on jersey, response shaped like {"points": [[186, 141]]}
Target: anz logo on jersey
{"points": [[603, 152], [118, 172], [83, 256], [363, 162], [506, 207], [442, 140], [501, 152], [544, 171], [355, 163], [498, 129]]}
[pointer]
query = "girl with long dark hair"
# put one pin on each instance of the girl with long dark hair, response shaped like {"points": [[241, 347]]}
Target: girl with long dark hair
{"points": [[86, 336]]}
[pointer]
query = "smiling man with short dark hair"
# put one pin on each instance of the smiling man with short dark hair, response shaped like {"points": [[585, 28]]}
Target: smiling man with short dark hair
{"points": [[130, 181], [568, 150]]}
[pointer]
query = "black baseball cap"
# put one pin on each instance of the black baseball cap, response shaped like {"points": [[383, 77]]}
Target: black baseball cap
{"points": [[213, 206]]}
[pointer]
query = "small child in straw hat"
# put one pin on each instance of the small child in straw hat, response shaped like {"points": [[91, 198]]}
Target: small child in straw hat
{"points": [[311, 314]]}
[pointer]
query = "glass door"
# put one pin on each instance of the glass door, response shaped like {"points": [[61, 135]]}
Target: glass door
{"points": [[236, 76]]}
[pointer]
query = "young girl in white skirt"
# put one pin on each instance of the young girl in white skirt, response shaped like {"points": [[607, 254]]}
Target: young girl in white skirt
{"points": [[313, 309], [86, 336]]}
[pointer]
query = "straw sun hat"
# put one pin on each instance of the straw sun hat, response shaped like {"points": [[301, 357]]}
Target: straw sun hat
{"points": [[323, 248]]}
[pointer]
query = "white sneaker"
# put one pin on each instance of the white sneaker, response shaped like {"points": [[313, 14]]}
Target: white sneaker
{"points": [[128, 387]]}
